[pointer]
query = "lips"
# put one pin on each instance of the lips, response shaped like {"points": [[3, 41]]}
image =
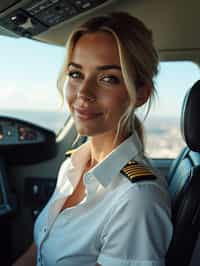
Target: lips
{"points": [[86, 114]]}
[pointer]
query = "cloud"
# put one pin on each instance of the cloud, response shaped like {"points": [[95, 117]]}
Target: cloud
{"points": [[28, 96]]}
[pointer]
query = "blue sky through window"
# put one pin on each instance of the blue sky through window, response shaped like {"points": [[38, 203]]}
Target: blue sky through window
{"points": [[29, 70]]}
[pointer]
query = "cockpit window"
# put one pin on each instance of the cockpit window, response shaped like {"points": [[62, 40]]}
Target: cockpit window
{"points": [[163, 135], [28, 75]]}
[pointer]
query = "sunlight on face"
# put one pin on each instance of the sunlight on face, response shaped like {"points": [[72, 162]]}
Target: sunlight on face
{"points": [[95, 91]]}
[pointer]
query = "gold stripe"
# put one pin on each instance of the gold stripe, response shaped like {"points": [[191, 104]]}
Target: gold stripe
{"points": [[137, 173], [135, 166], [136, 169], [141, 173], [131, 177], [133, 170]]}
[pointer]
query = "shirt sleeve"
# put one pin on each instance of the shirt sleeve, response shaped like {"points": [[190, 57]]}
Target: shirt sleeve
{"points": [[138, 231]]}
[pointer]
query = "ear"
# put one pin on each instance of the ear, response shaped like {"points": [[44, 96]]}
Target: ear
{"points": [[142, 94]]}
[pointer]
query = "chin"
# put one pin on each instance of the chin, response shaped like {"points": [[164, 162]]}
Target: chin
{"points": [[84, 131], [88, 132], [94, 129]]}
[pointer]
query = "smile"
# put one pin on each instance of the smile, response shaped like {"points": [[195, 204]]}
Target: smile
{"points": [[85, 114]]}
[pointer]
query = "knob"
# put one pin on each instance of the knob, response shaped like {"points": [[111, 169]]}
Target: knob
{"points": [[19, 19]]}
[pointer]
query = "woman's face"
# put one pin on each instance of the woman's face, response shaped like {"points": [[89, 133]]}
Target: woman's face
{"points": [[95, 91]]}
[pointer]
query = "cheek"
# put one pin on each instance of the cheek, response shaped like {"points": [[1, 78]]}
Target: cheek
{"points": [[70, 93], [125, 99], [119, 103]]}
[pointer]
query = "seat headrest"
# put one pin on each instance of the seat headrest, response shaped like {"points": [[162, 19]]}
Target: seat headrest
{"points": [[190, 117]]}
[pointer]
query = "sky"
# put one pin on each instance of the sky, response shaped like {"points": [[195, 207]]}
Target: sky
{"points": [[29, 70]]}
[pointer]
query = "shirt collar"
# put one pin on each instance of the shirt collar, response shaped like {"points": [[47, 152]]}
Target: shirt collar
{"points": [[78, 161], [112, 163], [115, 161]]}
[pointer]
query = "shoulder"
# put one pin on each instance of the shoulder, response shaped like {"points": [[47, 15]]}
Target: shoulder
{"points": [[144, 189], [142, 203], [137, 172]]}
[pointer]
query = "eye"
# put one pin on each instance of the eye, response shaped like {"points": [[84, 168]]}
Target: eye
{"points": [[75, 74], [110, 79]]}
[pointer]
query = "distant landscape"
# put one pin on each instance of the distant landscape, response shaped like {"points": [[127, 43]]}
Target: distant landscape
{"points": [[162, 138]]}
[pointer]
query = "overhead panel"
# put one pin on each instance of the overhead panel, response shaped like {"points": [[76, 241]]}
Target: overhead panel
{"points": [[4, 5], [34, 17]]}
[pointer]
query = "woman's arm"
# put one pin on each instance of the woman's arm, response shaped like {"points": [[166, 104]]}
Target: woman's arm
{"points": [[28, 258], [139, 230]]}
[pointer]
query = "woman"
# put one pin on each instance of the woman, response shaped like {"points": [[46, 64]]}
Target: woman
{"points": [[110, 207]]}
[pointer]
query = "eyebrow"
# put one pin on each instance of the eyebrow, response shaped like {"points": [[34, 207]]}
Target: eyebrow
{"points": [[104, 67]]}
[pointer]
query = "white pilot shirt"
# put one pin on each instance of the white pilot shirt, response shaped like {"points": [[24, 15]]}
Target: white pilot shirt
{"points": [[118, 223]]}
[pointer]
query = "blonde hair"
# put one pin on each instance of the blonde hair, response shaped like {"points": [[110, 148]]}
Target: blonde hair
{"points": [[138, 58]]}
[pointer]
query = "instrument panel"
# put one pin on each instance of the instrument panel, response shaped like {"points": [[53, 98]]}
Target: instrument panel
{"points": [[16, 133], [24, 142], [21, 142]]}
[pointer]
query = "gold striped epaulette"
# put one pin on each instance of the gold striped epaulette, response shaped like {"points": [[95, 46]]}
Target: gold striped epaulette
{"points": [[69, 152], [136, 172]]}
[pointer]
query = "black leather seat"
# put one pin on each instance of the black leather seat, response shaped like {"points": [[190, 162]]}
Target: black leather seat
{"points": [[184, 184]]}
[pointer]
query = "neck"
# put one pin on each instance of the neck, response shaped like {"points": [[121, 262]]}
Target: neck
{"points": [[102, 145]]}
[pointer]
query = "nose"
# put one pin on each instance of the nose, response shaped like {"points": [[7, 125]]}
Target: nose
{"points": [[86, 91]]}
